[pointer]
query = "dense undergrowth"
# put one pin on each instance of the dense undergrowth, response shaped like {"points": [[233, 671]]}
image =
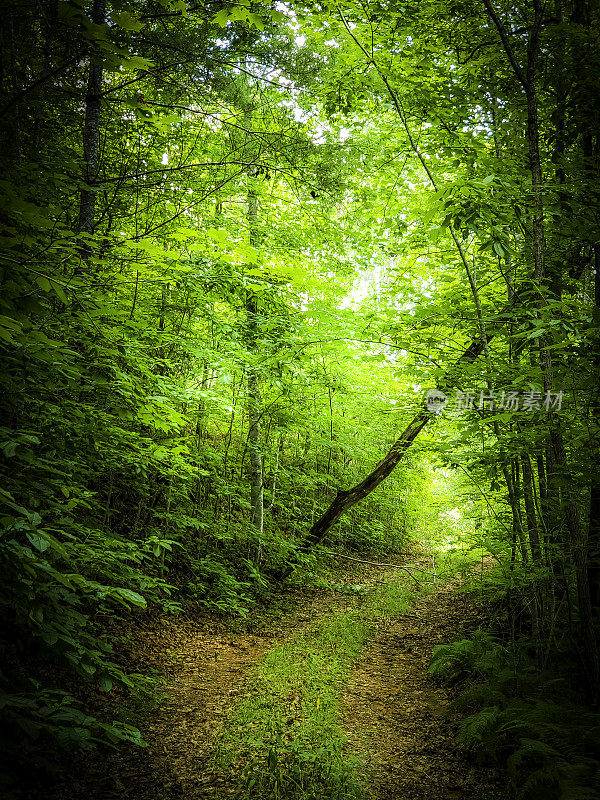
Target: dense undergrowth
{"points": [[68, 585], [103, 517], [520, 703]]}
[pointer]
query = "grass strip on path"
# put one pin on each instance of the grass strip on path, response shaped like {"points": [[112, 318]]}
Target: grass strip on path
{"points": [[284, 739]]}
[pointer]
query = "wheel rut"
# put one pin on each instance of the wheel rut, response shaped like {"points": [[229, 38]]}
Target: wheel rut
{"points": [[204, 667], [394, 713]]}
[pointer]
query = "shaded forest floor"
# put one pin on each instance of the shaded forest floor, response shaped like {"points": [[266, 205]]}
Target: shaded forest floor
{"points": [[393, 712]]}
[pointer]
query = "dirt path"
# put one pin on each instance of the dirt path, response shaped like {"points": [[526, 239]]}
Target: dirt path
{"points": [[394, 712], [204, 666]]}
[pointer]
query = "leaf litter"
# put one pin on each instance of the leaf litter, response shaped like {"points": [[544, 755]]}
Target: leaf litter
{"points": [[393, 712]]}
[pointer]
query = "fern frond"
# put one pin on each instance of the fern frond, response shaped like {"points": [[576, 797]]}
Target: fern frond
{"points": [[481, 654], [540, 783], [480, 695], [579, 793], [447, 657], [533, 749], [472, 731]]}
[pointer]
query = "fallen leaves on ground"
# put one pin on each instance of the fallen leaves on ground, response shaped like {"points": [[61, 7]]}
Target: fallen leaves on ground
{"points": [[395, 714]]}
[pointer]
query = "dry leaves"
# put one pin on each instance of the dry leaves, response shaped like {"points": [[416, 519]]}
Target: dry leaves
{"points": [[395, 713]]}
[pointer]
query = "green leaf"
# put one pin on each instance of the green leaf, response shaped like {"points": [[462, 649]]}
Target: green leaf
{"points": [[221, 18], [129, 596], [39, 542], [59, 292], [127, 21]]}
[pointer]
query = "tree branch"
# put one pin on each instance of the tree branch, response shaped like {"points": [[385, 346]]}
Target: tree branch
{"points": [[506, 44]]}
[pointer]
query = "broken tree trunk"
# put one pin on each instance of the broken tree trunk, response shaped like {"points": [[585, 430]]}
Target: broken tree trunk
{"points": [[348, 498], [345, 499]]}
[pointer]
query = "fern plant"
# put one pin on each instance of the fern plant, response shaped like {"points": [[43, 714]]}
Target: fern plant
{"points": [[479, 655], [552, 749]]}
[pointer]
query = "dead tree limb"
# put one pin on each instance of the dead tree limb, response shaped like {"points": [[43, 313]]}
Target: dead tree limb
{"points": [[347, 498], [379, 564]]}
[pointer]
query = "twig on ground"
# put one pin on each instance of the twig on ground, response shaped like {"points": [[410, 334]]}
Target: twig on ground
{"points": [[375, 564]]}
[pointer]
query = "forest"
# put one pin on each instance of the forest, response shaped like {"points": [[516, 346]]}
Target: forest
{"points": [[300, 405]]}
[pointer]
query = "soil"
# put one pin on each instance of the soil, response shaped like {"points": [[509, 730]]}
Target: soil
{"points": [[393, 712], [396, 715]]}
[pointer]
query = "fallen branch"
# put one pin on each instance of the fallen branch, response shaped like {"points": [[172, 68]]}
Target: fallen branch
{"points": [[345, 499], [377, 564]]}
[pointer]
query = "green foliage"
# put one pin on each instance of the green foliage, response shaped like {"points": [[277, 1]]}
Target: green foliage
{"points": [[552, 748], [125, 348], [481, 654], [223, 215], [53, 713]]}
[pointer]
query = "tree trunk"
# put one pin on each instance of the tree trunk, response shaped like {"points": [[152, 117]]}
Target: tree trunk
{"points": [[532, 526], [543, 484], [594, 524], [255, 452], [49, 14], [594, 544], [91, 132], [527, 79], [272, 483], [16, 131], [257, 490], [579, 553], [512, 485]]}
